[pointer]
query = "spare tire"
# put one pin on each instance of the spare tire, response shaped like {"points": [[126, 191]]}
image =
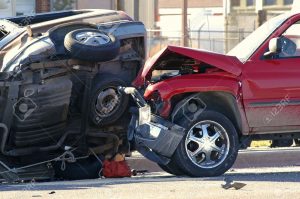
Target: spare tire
{"points": [[91, 45]]}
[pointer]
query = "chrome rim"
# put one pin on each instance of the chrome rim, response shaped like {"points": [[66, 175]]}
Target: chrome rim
{"points": [[92, 38], [107, 102], [207, 144]]}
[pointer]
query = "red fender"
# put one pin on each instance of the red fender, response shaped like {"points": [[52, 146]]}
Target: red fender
{"points": [[222, 81]]}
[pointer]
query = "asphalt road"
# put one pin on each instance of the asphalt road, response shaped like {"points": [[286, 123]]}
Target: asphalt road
{"points": [[267, 183], [278, 157], [261, 182]]}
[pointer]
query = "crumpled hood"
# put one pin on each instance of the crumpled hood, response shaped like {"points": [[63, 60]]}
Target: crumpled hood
{"points": [[227, 63]]}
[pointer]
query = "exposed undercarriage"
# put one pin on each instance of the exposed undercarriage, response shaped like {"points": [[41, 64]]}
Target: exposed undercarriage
{"points": [[58, 108]]}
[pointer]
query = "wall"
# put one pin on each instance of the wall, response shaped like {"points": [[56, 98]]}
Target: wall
{"points": [[141, 10], [5, 8], [95, 4], [191, 3], [9, 8], [42, 6], [25, 7]]}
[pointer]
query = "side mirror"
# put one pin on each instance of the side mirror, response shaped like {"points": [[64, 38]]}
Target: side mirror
{"points": [[281, 45], [274, 47]]}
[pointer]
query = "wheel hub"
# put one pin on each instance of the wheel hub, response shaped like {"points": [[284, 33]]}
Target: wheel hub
{"points": [[106, 102], [92, 38], [207, 144]]}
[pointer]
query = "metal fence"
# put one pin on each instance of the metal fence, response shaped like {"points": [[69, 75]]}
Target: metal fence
{"points": [[213, 40]]}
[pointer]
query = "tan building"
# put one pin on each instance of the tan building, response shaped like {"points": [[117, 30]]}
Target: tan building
{"points": [[191, 3], [10, 8], [247, 10], [103, 4], [141, 10], [25, 7], [244, 16]]}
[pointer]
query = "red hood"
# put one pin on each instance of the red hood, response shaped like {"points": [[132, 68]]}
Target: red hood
{"points": [[227, 63]]}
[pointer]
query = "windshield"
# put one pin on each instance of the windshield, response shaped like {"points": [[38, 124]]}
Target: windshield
{"points": [[8, 32], [248, 46], [3, 32]]}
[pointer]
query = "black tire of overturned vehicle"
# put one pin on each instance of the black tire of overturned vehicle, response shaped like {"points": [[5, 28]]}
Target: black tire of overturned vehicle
{"points": [[97, 53], [101, 83], [181, 157]]}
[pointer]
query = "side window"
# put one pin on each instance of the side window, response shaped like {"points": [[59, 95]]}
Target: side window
{"points": [[290, 41]]}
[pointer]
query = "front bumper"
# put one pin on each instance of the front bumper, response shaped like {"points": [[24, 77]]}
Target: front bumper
{"points": [[154, 137]]}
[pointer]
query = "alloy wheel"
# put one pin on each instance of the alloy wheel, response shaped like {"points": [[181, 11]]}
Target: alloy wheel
{"points": [[207, 144]]}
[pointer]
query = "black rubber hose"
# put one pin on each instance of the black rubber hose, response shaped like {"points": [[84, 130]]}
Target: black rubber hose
{"points": [[4, 137]]}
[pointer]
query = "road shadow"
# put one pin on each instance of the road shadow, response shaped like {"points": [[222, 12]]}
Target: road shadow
{"points": [[98, 183]]}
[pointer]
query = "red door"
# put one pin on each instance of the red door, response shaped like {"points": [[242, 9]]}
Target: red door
{"points": [[271, 92], [271, 86]]}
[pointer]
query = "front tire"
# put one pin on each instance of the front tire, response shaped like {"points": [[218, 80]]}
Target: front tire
{"points": [[172, 168], [210, 146]]}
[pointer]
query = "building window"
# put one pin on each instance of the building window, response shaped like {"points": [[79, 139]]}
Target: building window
{"points": [[250, 2], [288, 2], [269, 2]]}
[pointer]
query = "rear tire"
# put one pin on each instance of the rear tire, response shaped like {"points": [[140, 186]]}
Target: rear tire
{"points": [[107, 103], [213, 141]]}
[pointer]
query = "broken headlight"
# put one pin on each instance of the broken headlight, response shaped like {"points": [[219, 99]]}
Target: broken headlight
{"points": [[144, 115]]}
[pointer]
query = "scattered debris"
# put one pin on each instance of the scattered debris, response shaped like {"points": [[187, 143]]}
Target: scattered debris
{"points": [[229, 183], [136, 172]]}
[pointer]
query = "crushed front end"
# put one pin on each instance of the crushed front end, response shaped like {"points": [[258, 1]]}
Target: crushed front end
{"points": [[154, 137]]}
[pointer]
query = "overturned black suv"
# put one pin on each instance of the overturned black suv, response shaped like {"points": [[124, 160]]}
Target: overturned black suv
{"points": [[61, 111]]}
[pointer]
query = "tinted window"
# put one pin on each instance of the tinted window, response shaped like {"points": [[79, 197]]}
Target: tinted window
{"points": [[291, 44], [3, 32], [287, 2], [269, 2], [250, 2]]}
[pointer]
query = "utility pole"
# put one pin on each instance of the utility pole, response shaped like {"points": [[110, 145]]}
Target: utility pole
{"points": [[226, 11], [119, 4], [261, 13], [184, 35]]}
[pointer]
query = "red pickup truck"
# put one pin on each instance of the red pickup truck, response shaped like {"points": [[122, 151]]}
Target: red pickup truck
{"points": [[198, 107]]}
